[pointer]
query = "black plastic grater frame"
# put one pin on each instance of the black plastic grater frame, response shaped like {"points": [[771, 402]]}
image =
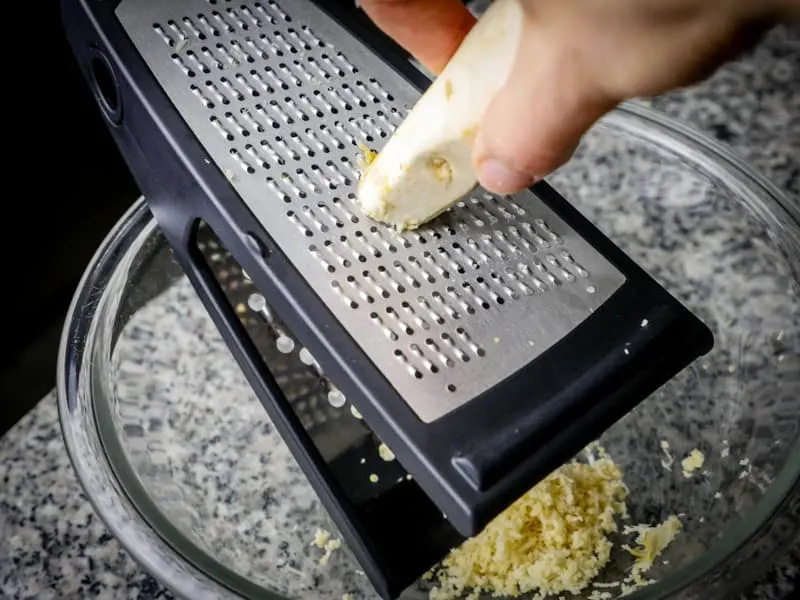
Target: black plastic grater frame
{"points": [[470, 463]]}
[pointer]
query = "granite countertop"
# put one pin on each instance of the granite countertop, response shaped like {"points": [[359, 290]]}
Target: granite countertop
{"points": [[53, 544]]}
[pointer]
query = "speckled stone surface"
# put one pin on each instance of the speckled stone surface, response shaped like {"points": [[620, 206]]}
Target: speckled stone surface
{"points": [[52, 545], [55, 547]]}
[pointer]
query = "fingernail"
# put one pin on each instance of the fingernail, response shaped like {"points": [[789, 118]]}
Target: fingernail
{"points": [[497, 177]]}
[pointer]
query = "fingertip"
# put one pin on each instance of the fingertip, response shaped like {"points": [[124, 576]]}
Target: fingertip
{"points": [[497, 177], [430, 31], [504, 164]]}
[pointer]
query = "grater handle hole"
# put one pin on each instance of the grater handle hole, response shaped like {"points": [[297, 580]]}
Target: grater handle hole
{"points": [[104, 86]]}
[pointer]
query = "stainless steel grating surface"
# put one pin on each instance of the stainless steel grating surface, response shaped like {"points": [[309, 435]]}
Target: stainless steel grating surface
{"points": [[280, 96]]}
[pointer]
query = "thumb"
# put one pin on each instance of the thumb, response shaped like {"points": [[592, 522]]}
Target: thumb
{"points": [[536, 120]]}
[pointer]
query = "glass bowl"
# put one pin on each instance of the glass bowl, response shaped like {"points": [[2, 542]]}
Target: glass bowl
{"points": [[180, 460]]}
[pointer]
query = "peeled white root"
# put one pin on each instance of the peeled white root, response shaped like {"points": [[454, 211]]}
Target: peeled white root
{"points": [[426, 166]]}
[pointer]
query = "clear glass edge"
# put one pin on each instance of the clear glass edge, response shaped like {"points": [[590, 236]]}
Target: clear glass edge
{"points": [[75, 323]]}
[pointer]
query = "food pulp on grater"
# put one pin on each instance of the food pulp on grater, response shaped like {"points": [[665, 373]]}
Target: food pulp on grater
{"points": [[366, 158], [554, 540]]}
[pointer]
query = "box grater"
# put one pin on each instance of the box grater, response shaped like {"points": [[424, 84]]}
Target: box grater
{"points": [[484, 349]]}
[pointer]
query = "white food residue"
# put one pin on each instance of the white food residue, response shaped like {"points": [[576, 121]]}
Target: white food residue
{"points": [[385, 453], [651, 542], [668, 459], [323, 541], [692, 463]]}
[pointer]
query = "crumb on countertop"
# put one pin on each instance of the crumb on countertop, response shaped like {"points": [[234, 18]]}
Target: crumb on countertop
{"points": [[323, 541], [692, 462], [668, 459], [321, 537]]}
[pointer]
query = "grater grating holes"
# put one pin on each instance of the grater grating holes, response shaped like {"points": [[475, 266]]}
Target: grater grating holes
{"points": [[306, 386], [291, 109]]}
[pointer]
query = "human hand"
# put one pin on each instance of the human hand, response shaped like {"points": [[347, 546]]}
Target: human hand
{"points": [[575, 61]]}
